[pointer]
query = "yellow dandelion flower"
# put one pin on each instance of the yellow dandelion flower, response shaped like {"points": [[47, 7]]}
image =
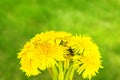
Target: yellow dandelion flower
{"points": [[41, 52], [87, 59]]}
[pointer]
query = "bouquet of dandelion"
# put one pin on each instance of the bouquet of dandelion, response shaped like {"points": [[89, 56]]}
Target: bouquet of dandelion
{"points": [[62, 54]]}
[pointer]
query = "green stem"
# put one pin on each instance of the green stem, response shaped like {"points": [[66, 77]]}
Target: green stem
{"points": [[61, 73], [51, 73], [69, 73], [55, 73], [72, 74]]}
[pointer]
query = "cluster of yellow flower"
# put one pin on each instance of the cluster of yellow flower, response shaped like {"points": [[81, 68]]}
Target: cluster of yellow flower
{"points": [[47, 50]]}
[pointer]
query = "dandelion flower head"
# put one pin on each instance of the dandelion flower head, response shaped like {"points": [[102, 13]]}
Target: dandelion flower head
{"points": [[41, 52], [87, 59]]}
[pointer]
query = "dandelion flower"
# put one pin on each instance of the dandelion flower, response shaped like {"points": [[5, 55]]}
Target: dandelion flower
{"points": [[87, 59], [41, 52]]}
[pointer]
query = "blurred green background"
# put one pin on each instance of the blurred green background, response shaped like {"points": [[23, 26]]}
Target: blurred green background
{"points": [[20, 20]]}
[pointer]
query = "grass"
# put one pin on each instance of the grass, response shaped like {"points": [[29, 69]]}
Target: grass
{"points": [[20, 20]]}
